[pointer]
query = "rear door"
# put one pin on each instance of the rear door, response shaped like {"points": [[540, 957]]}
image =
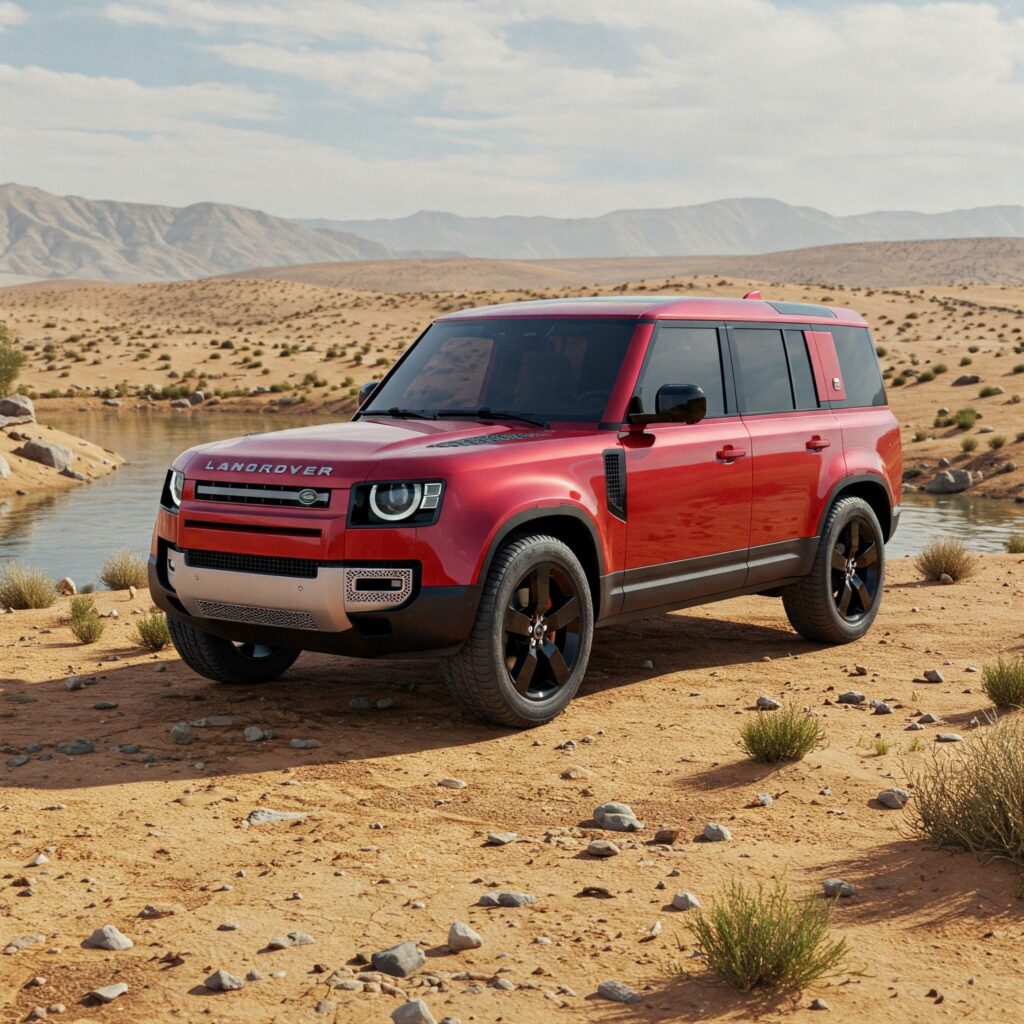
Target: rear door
{"points": [[796, 446], [688, 484]]}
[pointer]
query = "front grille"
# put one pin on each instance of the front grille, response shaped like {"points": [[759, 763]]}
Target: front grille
{"points": [[266, 565], [615, 482], [262, 494], [483, 439], [280, 617]]}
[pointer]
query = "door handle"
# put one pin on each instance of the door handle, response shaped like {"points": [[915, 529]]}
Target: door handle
{"points": [[816, 443], [730, 452]]}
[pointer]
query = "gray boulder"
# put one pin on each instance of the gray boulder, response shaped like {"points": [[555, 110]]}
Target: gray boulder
{"points": [[47, 453], [894, 798], [966, 379], [399, 961], [413, 1012], [222, 981], [18, 408], [617, 817], [949, 481], [108, 937], [506, 899], [616, 991], [461, 937]]}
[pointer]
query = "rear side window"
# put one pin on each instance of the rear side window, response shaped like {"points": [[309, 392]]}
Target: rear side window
{"points": [[684, 355], [859, 365], [804, 392], [763, 370]]}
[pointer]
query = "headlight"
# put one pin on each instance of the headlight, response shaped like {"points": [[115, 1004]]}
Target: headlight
{"points": [[400, 502], [173, 486]]}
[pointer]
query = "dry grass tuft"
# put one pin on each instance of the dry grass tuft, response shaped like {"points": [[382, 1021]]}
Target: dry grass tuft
{"points": [[124, 569], [787, 735], [21, 587], [86, 624], [151, 631], [1015, 544], [971, 796], [946, 555], [760, 938], [1003, 682]]}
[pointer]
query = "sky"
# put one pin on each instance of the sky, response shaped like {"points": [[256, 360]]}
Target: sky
{"points": [[571, 108]]}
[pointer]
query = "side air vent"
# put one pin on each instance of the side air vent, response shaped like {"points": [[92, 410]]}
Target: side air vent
{"points": [[615, 482], [483, 439]]}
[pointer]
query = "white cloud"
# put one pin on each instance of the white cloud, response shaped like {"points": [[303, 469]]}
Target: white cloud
{"points": [[11, 14]]}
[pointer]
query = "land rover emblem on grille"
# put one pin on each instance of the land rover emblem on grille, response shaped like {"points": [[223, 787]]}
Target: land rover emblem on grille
{"points": [[307, 496]]}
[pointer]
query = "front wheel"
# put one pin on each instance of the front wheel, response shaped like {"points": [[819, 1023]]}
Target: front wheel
{"points": [[226, 662], [837, 602], [528, 652]]}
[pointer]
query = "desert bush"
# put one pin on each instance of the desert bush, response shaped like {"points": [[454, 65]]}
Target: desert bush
{"points": [[939, 368], [966, 360], [86, 624], [968, 444], [1015, 544], [1019, 368], [760, 938], [21, 587], [969, 796], [996, 441], [946, 555], [124, 569], [925, 376], [787, 735], [1003, 682], [12, 359], [989, 391], [966, 418], [151, 631]]}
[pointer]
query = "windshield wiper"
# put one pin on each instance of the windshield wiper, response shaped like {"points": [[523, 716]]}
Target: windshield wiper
{"points": [[410, 414], [484, 413]]}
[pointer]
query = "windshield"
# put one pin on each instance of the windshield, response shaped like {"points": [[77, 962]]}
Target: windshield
{"points": [[546, 368]]}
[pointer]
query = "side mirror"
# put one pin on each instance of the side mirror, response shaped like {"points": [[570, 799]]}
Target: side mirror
{"points": [[675, 403], [366, 390]]}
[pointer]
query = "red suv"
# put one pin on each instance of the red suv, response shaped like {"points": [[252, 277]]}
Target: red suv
{"points": [[527, 472]]}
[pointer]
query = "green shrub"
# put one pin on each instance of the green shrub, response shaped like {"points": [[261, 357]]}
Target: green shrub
{"points": [[1015, 544], [760, 938], [968, 444], [124, 569], [989, 391], [939, 368], [1020, 437], [1019, 368], [996, 441], [1003, 681], [946, 555], [82, 605], [966, 361], [787, 735], [12, 359], [21, 587], [966, 418], [151, 631], [925, 376], [919, 435], [969, 796], [86, 624]]}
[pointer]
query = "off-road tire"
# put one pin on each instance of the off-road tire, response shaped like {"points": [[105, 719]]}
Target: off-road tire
{"points": [[218, 659], [811, 604], [478, 675]]}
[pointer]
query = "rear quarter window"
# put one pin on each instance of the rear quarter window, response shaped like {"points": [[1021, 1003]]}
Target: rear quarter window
{"points": [[862, 376]]}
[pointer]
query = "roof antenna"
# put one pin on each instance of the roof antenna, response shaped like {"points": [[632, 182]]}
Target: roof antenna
{"points": [[752, 295]]}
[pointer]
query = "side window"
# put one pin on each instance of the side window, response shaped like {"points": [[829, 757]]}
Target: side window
{"points": [[763, 370], [453, 376], [684, 355], [859, 366], [804, 391]]}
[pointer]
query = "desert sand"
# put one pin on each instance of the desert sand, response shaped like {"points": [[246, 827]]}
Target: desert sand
{"points": [[386, 854]]}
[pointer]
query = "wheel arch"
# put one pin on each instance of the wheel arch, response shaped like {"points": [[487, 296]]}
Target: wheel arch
{"points": [[871, 488]]}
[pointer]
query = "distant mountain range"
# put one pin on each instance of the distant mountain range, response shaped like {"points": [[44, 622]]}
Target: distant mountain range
{"points": [[48, 236]]}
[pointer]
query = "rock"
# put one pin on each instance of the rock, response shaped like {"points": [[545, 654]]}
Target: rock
{"points": [[766, 703], [850, 697], [104, 705], [20, 942], [667, 836], [819, 1004], [303, 744], [894, 798], [836, 887], [452, 784], [933, 675], [77, 747], [462, 937], [501, 838], [413, 1012], [764, 800], [928, 719], [222, 981], [196, 398], [915, 727], [39, 860], [74, 683], [602, 848], [5, 469], [506, 899], [181, 732], [966, 379], [66, 587], [617, 817], [399, 961], [265, 816], [289, 940], [949, 481], [18, 407], [47, 453], [945, 579], [155, 911], [252, 733], [361, 704], [881, 708], [685, 901], [617, 992], [108, 993], [714, 833], [108, 937], [948, 737], [860, 670], [17, 762]]}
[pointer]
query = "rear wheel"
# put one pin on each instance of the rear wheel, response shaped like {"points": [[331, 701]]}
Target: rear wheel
{"points": [[839, 599], [227, 662], [528, 652]]}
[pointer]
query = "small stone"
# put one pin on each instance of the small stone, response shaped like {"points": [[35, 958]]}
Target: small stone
{"points": [[413, 1012], [222, 981], [881, 708], [289, 940], [39, 860], [928, 719], [77, 747], [108, 937], [265, 816], [181, 732], [303, 744], [506, 899], [108, 993], [602, 848], [948, 737], [667, 836], [452, 784], [894, 798], [617, 992], [946, 579], [74, 683], [385, 703], [933, 675], [764, 800], [399, 961], [66, 587], [647, 663], [685, 901], [462, 937], [253, 734], [617, 817], [766, 703], [715, 833], [819, 1004], [104, 705], [836, 887], [860, 670], [851, 697], [17, 762], [501, 838], [360, 704]]}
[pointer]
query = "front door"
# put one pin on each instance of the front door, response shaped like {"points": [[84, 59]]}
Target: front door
{"points": [[689, 485]]}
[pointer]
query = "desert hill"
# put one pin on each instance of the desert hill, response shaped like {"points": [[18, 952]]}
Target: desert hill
{"points": [[860, 265]]}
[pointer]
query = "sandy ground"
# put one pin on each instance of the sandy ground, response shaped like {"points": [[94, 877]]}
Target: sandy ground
{"points": [[31, 480], [309, 347], [387, 855]]}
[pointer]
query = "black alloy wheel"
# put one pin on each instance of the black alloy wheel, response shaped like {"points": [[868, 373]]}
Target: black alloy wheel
{"points": [[855, 569]]}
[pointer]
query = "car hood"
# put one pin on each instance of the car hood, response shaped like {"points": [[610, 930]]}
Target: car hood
{"points": [[339, 452]]}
